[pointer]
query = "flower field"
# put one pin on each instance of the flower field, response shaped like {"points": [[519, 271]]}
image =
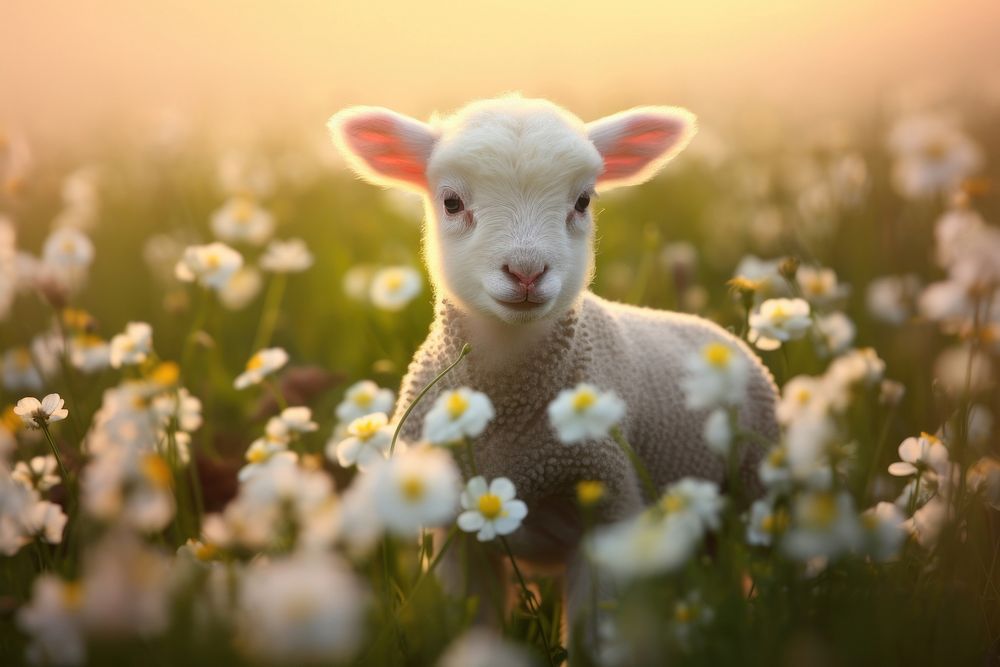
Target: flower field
{"points": [[200, 459]]}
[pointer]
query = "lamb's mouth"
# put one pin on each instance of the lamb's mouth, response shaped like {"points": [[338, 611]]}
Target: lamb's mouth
{"points": [[521, 305]]}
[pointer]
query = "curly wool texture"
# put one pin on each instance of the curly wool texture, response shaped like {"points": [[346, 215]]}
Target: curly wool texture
{"points": [[639, 353]]}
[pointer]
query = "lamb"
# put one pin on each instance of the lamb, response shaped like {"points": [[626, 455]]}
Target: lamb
{"points": [[508, 240]]}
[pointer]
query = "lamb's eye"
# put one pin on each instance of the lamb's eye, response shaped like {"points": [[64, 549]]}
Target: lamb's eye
{"points": [[453, 204], [582, 202]]}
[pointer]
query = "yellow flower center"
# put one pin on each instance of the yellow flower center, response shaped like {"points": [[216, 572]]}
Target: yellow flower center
{"points": [[365, 427], [717, 354], [10, 420], [364, 398], [490, 506], [821, 510], [68, 246], [242, 210], [394, 281], [256, 362], [935, 150], [683, 613], [22, 357], [166, 374], [413, 488], [930, 438], [205, 551], [589, 492], [212, 261], [776, 457], [74, 318], [776, 523], [456, 405], [72, 594], [583, 400], [156, 470], [673, 502], [257, 455], [779, 314], [802, 396]]}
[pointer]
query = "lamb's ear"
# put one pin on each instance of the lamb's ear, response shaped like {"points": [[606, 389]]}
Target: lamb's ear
{"points": [[636, 143], [384, 147]]}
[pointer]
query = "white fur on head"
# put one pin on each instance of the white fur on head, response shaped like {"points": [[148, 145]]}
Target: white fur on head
{"points": [[384, 147], [636, 143], [519, 247]]}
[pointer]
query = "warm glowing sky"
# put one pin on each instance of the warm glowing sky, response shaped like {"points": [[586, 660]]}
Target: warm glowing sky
{"points": [[66, 65]]}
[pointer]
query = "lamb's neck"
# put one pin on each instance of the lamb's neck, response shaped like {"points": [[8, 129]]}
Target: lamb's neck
{"points": [[500, 348]]}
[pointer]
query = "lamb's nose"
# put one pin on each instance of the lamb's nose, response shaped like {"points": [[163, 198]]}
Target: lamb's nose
{"points": [[526, 278]]}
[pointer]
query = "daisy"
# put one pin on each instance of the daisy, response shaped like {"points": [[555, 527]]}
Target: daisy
{"points": [[211, 265], [925, 453], [53, 622], [418, 488], [38, 473], [20, 371], [363, 398], [932, 155], [716, 376], [891, 299], [778, 321], [585, 412], [242, 288], [490, 510], [291, 256], [67, 249], [89, 353], [460, 413], [133, 346], [766, 523], [823, 525], [835, 332], [394, 287], [884, 533], [368, 442], [718, 432], [298, 420], [818, 284], [242, 220], [260, 365], [37, 414]]}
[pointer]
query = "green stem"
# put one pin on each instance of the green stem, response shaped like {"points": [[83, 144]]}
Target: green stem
{"points": [[399, 427], [529, 599], [640, 467], [55, 452], [278, 396], [196, 326], [269, 315]]}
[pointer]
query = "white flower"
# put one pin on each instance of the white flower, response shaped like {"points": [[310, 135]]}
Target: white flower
{"points": [[20, 370], [926, 453], [926, 523], [261, 452], [824, 525], [298, 419], [52, 621], [242, 288], [363, 398], [716, 377], [260, 365], [368, 442], [689, 614], [291, 256], [835, 332], [955, 370], [89, 353], [891, 298], [38, 473], [394, 287], [304, 608], [490, 510], [67, 249], [418, 488], [480, 647], [697, 497], [764, 274], [179, 405], [932, 155], [801, 393], [133, 346], [819, 285], [46, 520], [211, 265], [585, 412], [456, 414], [767, 522], [718, 432], [884, 531], [35, 413], [242, 220], [778, 321]]}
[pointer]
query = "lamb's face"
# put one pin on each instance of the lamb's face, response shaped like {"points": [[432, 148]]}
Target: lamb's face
{"points": [[507, 185], [509, 224]]}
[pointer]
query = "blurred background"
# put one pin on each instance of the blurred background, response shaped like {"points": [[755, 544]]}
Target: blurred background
{"points": [[69, 69]]}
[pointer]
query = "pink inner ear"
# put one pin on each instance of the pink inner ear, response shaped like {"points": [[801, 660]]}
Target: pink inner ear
{"points": [[382, 143], [639, 142]]}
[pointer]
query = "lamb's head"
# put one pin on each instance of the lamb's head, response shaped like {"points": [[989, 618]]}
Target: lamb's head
{"points": [[507, 185]]}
